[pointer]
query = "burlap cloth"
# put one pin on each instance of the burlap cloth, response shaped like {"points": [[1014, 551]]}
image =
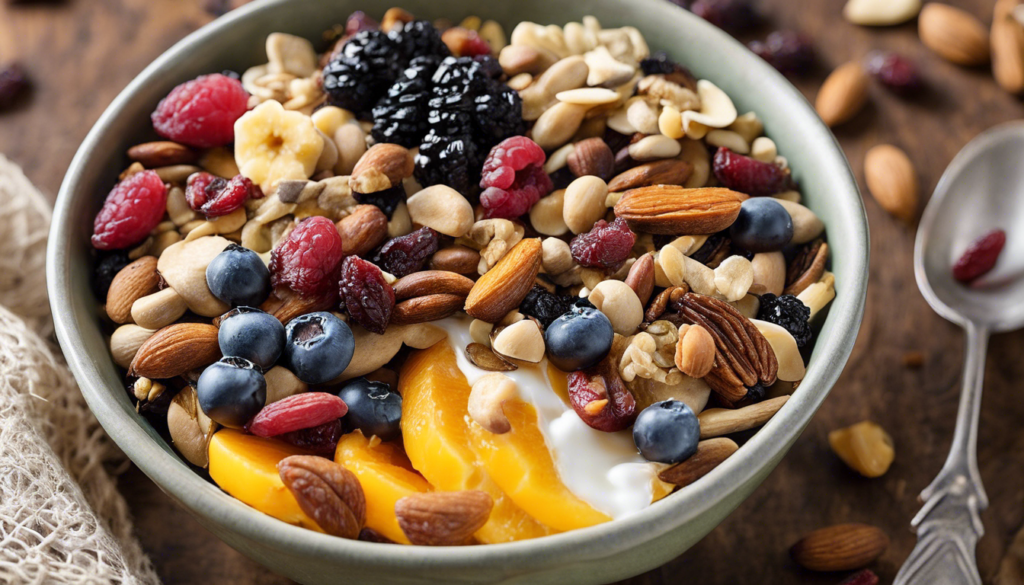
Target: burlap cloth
{"points": [[61, 517]]}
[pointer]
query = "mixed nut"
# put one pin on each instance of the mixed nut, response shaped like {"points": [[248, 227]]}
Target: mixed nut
{"points": [[578, 207]]}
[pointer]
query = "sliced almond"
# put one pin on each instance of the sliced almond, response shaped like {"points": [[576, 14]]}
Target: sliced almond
{"points": [[175, 350], [443, 518], [843, 94], [710, 454], [666, 209], [133, 282], [505, 285], [953, 34], [843, 547], [892, 180], [715, 422]]}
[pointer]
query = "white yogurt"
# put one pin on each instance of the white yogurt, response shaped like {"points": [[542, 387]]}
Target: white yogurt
{"points": [[602, 469]]}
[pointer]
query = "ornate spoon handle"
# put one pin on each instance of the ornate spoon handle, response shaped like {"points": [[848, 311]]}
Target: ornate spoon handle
{"points": [[949, 524]]}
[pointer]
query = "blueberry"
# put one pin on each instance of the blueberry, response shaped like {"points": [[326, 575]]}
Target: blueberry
{"points": [[666, 432], [763, 225], [319, 347], [372, 408], [231, 391], [238, 277], [580, 338], [250, 333]]}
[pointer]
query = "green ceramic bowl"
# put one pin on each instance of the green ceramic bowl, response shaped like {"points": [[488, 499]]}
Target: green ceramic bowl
{"points": [[602, 553]]}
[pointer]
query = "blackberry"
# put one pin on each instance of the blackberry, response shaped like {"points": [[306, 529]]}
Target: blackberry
{"points": [[386, 200], [449, 161], [545, 306], [499, 113], [107, 268], [418, 38], [401, 116], [361, 73], [788, 312]]}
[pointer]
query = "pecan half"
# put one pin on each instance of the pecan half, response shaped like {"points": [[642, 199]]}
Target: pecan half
{"points": [[443, 518], [600, 397], [806, 268], [327, 492], [743, 357]]}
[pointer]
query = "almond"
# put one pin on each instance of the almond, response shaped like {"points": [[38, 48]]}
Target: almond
{"points": [[843, 547], [327, 492], [431, 282], [891, 178], [662, 172], [363, 230], [953, 34], [133, 282], [457, 259], [710, 454], [426, 308], [162, 154], [715, 422], [1007, 47], [674, 210], [443, 518], [503, 287], [843, 94], [381, 167], [592, 157], [175, 350], [695, 352], [641, 278]]}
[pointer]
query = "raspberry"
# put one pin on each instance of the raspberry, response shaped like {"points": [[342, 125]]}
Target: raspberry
{"points": [[980, 256], [606, 245], [307, 261], [132, 209], [513, 178], [321, 440], [894, 72], [213, 196], [749, 176], [406, 254], [297, 412], [789, 52], [787, 312], [545, 306], [202, 112], [368, 298]]}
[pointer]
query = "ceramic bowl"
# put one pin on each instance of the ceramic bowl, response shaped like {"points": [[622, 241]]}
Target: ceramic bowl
{"points": [[602, 553]]}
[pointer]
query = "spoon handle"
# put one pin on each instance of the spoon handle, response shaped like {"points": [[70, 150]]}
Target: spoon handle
{"points": [[949, 524]]}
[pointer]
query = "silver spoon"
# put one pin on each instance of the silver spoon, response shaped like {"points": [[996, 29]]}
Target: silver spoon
{"points": [[981, 190]]}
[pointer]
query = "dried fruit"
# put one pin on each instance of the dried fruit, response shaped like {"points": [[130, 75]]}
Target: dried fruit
{"points": [[387, 200], [790, 52], [746, 175], [545, 306], [307, 261], [400, 117], [273, 145], [600, 398], [606, 245], [979, 257], [202, 112], [735, 16], [843, 94], [296, 412], [107, 267], [213, 196], [13, 83], [788, 312], [865, 447], [322, 439], [362, 71], [894, 71], [842, 547], [368, 298], [443, 518], [132, 209], [327, 492], [407, 254], [513, 178], [864, 577]]}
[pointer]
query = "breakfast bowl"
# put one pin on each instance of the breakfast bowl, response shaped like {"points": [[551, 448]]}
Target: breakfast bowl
{"points": [[599, 553]]}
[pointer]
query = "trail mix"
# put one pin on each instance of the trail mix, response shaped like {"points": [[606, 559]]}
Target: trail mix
{"points": [[286, 268]]}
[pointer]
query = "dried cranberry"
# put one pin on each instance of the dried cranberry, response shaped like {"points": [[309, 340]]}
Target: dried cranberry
{"points": [[863, 577], [513, 178], [465, 43], [307, 261], [202, 112], [132, 209], [589, 387], [789, 52], [214, 196], [747, 175], [606, 245], [735, 16], [406, 254], [297, 412], [980, 257], [322, 440], [894, 71], [13, 83], [368, 298]]}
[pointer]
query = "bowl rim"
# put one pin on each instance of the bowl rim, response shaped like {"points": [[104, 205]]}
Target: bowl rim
{"points": [[205, 499]]}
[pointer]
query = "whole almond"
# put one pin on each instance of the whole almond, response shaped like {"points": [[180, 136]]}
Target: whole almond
{"points": [[431, 282], [843, 94], [362, 230], [675, 210], [892, 180], [662, 172], [327, 492], [426, 308], [641, 278], [133, 282], [843, 547], [710, 454], [695, 352], [443, 518], [381, 167], [458, 259], [953, 34], [162, 153], [175, 350], [592, 157], [505, 285], [1007, 47]]}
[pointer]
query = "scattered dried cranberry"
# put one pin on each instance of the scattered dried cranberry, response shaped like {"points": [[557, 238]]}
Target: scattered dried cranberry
{"points": [[406, 254], [297, 412], [600, 398], [13, 83], [789, 52], [321, 440], [368, 298], [513, 178], [307, 261], [735, 16], [863, 577], [980, 257], [132, 209], [894, 71], [606, 245], [747, 175], [202, 112], [214, 196]]}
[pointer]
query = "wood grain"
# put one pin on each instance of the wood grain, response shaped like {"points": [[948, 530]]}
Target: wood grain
{"points": [[81, 53]]}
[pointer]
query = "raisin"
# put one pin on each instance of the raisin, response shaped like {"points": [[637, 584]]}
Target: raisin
{"points": [[545, 306], [787, 312], [606, 245], [789, 52], [368, 298], [107, 267], [406, 254], [894, 71], [214, 196], [735, 16], [13, 83]]}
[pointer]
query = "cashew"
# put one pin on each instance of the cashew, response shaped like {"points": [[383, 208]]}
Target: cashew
{"points": [[733, 277], [584, 203], [566, 74], [177, 207], [620, 304], [487, 400], [373, 351], [806, 224], [558, 159], [226, 224], [443, 209], [159, 309], [183, 266], [654, 147], [126, 341], [729, 139], [749, 126], [190, 428], [642, 116]]}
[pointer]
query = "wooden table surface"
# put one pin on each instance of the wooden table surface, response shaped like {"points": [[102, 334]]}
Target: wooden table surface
{"points": [[80, 53]]}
